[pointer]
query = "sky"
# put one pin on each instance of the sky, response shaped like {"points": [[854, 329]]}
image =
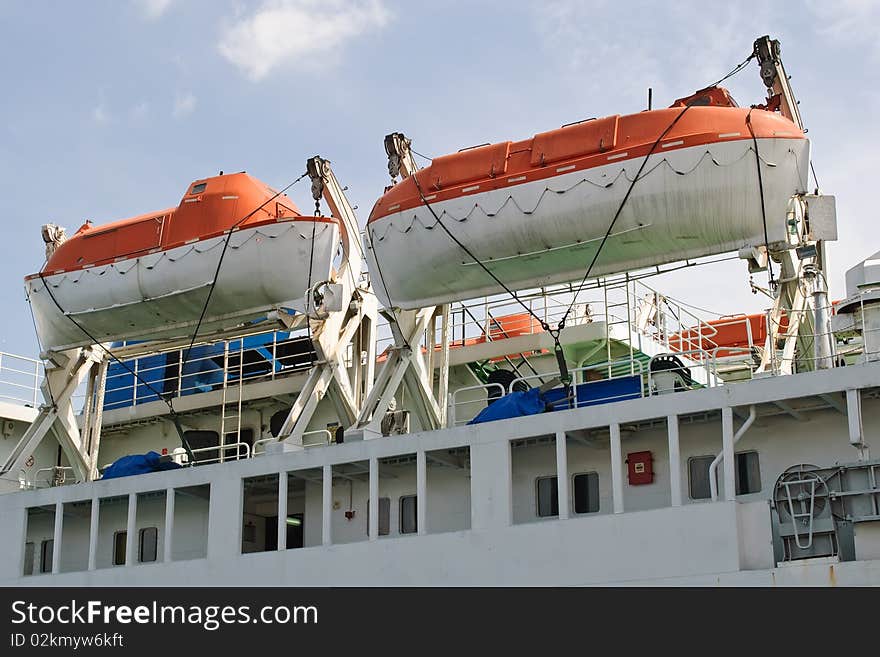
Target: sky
{"points": [[111, 107]]}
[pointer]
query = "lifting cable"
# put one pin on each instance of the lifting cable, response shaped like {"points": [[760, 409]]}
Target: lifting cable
{"points": [[124, 365], [369, 237], [565, 376], [311, 296], [761, 192], [185, 356], [161, 395], [40, 345], [213, 285]]}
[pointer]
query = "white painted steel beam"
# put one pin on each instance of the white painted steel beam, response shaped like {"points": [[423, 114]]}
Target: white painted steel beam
{"points": [[616, 469], [562, 474], [674, 461]]}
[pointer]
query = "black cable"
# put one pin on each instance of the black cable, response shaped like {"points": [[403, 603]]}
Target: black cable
{"points": [[381, 277], [40, 345], [115, 358], [620, 210], [815, 179], [761, 191], [554, 333], [98, 343], [736, 69], [229, 232], [473, 257], [95, 341], [424, 157], [311, 297]]}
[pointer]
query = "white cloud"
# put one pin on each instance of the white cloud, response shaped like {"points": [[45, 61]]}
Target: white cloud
{"points": [[600, 45], [849, 21], [100, 114], [140, 110], [153, 9], [297, 33], [184, 105]]}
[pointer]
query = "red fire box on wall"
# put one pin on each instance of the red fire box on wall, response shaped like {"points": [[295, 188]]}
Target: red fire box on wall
{"points": [[640, 468]]}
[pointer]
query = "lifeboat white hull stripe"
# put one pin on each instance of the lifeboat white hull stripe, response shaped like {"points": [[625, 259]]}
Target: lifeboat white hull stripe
{"points": [[160, 294], [688, 203]]}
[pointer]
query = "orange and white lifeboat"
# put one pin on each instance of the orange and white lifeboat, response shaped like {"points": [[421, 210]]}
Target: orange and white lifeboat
{"points": [[149, 276], [535, 211]]}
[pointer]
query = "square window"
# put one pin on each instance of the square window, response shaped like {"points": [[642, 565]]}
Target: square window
{"points": [[28, 558], [748, 473], [384, 516], [408, 514], [119, 540], [698, 477], [586, 492], [547, 497], [47, 548], [148, 544]]}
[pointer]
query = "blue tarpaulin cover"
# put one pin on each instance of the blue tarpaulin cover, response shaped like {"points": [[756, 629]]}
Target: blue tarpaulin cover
{"points": [[515, 404], [136, 464], [532, 402]]}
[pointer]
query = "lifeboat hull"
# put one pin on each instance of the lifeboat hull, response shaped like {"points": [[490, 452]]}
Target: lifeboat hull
{"points": [[689, 202], [162, 294]]}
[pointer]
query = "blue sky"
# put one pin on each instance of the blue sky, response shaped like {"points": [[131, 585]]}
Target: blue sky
{"points": [[111, 107]]}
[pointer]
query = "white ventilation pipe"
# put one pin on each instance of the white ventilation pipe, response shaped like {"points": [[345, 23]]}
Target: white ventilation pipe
{"points": [[713, 467]]}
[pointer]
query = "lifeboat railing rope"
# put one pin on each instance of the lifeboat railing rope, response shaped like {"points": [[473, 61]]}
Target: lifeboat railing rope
{"points": [[622, 176]]}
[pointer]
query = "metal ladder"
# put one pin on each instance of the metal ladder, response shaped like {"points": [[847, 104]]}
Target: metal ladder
{"points": [[625, 321], [230, 407]]}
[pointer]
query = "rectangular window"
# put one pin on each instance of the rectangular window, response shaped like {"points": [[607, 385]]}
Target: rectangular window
{"points": [[119, 540], [408, 514], [586, 492], [384, 516], [698, 477], [47, 548], [198, 188], [28, 558], [204, 440], [747, 473], [148, 544], [547, 497]]}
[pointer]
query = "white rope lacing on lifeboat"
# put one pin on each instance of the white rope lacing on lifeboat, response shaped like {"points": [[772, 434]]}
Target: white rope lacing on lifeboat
{"points": [[415, 217]]}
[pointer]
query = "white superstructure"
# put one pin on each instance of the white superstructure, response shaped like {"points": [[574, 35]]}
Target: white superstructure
{"points": [[347, 446]]}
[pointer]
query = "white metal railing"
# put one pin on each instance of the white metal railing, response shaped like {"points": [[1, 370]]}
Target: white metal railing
{"points": [[20, 379], [165, 372], [225, 483], [497, 317], [242, 451], [57, 476], [738, 359], [455, 405], [579, 378], [260, 445]]}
